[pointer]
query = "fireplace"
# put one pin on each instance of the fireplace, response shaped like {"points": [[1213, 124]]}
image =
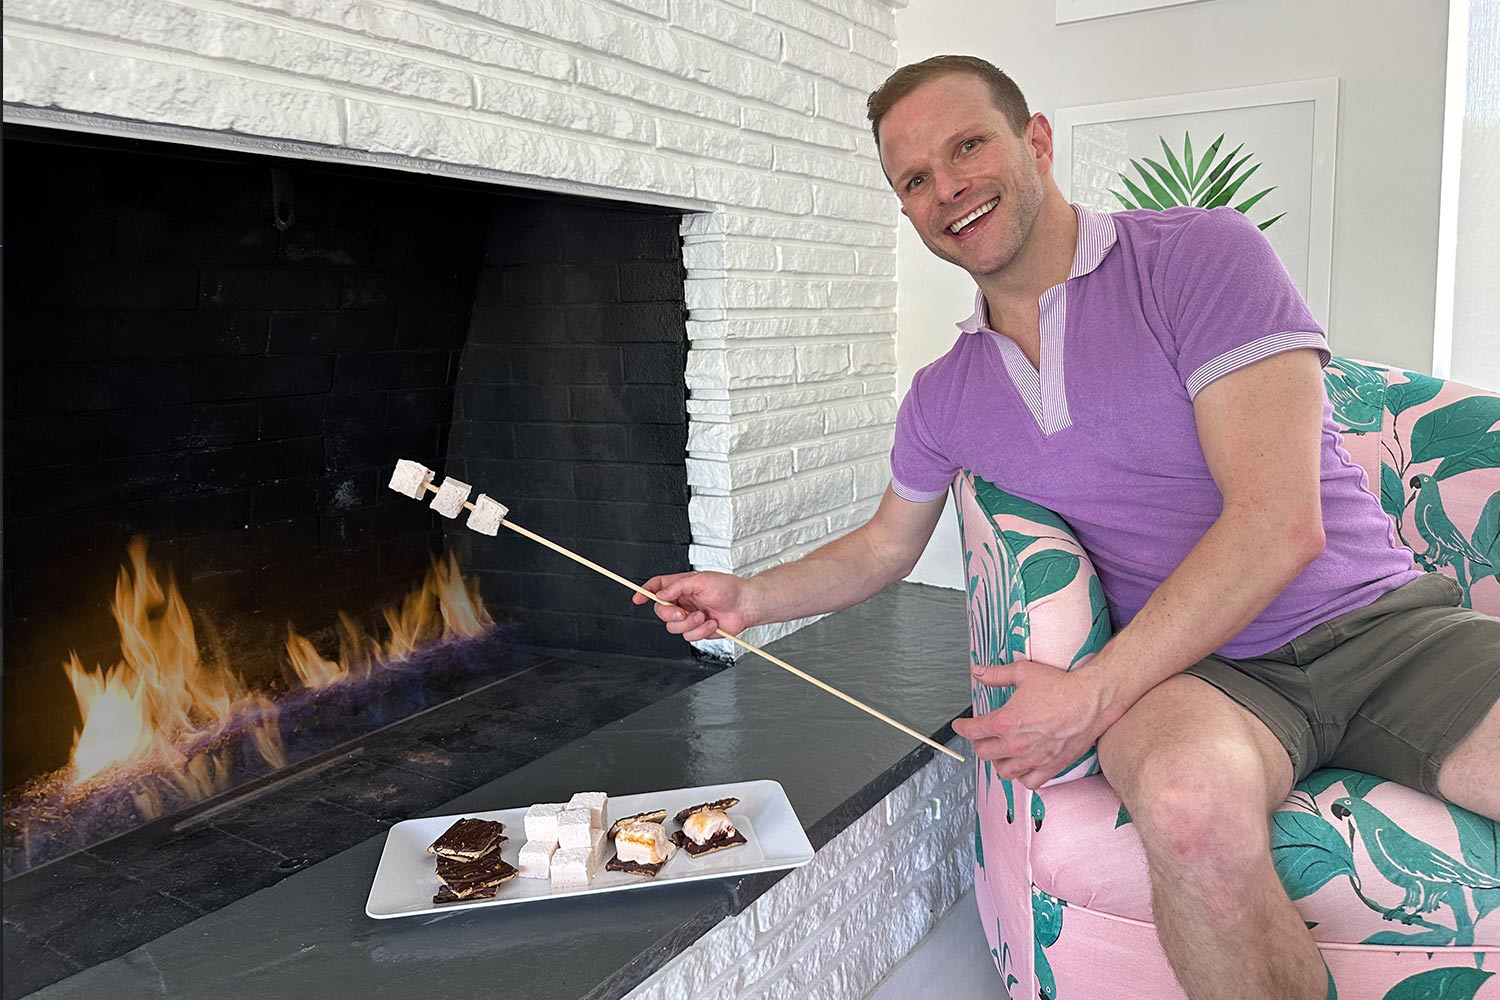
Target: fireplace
{"points": [[213, 361]]}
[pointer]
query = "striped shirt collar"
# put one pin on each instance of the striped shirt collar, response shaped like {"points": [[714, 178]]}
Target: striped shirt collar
{"points": [[1096, 235]]}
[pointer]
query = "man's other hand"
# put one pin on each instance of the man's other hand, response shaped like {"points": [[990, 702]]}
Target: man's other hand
{"points": [[705, 603], [1051, 719]]}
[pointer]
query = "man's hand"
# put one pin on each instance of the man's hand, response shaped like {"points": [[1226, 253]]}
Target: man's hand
{"points": [[705, 603], [1052, 717]]}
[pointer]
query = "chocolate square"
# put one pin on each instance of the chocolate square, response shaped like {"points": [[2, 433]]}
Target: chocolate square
{"points": [[614, 864], [468, 839], [465, 876], [650, 816], [721, 841], [723, 805]]}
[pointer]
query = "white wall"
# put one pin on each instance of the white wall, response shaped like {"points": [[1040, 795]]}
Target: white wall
{"points": [[1390, 57]]}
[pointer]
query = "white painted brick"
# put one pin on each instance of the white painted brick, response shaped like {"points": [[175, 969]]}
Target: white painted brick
{"points": [[45, 74], [211, 35], [873, 45], [713, 143], [733, 186], [804, 395], [843, 203], [855, 416], [564, 111], [871, 479], [815, 260], [453, 139], [816, 132], [739, 472], [617, 82], [788, 327], [861, 294], [704, 255], [822, 59], [836, 233], [843, 169], [806, 18], [778, 292], [821, 362], [845, 448], [773, 506], [876, 263], [849, 107], [873, 357], [738, 31], [756, 550], [416, 28], [656, 8], [751, 432], [853, 517]]}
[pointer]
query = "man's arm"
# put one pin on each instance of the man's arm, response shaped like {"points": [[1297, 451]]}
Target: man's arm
{"points": [[1260, 429], [844, 572]]}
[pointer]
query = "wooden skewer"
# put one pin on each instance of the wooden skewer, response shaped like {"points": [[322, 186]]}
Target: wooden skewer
{"points": [[561, 550]]}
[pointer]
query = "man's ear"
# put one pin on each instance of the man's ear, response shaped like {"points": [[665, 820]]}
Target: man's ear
{"points": [[1039, 140]]}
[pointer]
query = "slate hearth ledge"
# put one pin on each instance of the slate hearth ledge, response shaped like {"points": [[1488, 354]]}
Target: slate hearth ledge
{"points": [[904, 651]]}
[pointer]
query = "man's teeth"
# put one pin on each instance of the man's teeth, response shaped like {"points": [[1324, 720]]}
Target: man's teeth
{"points": [[981, 210]]}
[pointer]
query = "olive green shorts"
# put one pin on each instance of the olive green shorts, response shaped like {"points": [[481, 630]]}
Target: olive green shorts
{"points": [[1389, 689]]}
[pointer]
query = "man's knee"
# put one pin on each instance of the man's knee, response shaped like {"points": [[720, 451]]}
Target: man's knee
{"points": [[1202, 813]]}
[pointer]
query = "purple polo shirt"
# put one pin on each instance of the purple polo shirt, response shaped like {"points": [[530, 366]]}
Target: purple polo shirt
{"points": [[1157, 305]]}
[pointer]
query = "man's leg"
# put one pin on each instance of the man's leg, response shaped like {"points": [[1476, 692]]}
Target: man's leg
{"points": [[1200, 776], [1470, 777]]}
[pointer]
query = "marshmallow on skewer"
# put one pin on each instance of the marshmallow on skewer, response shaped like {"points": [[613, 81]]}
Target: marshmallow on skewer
{"points": [[411, 478], [487, 515], [450, 497]]}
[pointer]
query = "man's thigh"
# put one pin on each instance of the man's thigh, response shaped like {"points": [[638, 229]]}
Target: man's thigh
{"points": [[1186, 737]]}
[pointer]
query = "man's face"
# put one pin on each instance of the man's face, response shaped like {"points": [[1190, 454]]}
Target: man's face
{"points": [[950, 153]]}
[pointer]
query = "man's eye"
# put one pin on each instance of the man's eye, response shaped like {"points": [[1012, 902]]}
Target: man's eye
{"points": [[911, 185], [969, 144]]}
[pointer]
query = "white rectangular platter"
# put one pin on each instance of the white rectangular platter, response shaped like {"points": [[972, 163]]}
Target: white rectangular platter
{"points": [[406, 880]]}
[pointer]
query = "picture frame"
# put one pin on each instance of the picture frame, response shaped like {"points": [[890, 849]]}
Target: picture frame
{"points": [[1068, 11], [1283, 140]]}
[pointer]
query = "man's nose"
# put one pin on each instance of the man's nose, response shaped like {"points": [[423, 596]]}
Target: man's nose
{"points": [[952, 186]]}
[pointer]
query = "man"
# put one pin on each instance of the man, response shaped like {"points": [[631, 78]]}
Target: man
{"points": [[1156, 379]]}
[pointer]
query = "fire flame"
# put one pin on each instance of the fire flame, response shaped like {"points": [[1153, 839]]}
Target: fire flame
{"points": [[165, 706], [445, 606]]}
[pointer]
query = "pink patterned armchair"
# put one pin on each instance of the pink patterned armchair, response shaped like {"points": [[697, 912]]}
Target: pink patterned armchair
{"points": [[1060, 875]]}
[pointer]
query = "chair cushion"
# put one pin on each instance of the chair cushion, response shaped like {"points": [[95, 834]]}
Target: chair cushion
{"points": [[1367, 861]]}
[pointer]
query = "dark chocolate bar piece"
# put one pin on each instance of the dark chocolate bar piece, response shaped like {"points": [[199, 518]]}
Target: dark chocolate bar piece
{"points": [[723, 805], [468, 838], [721, 841], [447, 895], [614, 864], [652, 816], [488, 871]]}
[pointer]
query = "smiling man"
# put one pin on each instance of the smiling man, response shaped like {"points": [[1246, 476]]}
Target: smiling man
{"points": [[1154, 377]]}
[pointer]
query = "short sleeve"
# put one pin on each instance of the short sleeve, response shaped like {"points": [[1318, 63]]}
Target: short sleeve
{"points": [[1230, 301], [920, 471]]}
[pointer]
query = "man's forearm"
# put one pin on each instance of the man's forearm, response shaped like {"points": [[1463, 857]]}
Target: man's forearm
{"points": [[1223, 583], [842, 573]]}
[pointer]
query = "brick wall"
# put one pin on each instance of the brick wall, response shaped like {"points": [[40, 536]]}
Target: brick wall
{"points": [[572, 410], [748, 113], [834, 928]]}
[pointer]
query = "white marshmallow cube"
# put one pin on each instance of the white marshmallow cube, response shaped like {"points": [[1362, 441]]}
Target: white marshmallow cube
{"points": [[541, 821], [594, 803], [486, 516], [536, 859], [571, 868], [450, 497], [596, 849], [411, 478], [574, 828]]}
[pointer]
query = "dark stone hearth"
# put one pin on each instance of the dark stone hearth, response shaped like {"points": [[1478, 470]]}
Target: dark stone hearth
{"points": [[66, 915]]}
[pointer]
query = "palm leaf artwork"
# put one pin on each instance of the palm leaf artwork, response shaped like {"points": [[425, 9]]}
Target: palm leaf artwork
{"points": [[1208, 181]]}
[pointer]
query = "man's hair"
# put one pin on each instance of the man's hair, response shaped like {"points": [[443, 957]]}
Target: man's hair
{"points": [[1003, 90]]}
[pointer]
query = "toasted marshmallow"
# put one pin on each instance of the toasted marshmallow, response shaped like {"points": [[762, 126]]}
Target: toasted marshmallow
{"points": [[705, 824], [643, 843]]}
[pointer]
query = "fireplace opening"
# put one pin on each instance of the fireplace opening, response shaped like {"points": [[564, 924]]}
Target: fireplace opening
{"points": [[212, 362]]}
